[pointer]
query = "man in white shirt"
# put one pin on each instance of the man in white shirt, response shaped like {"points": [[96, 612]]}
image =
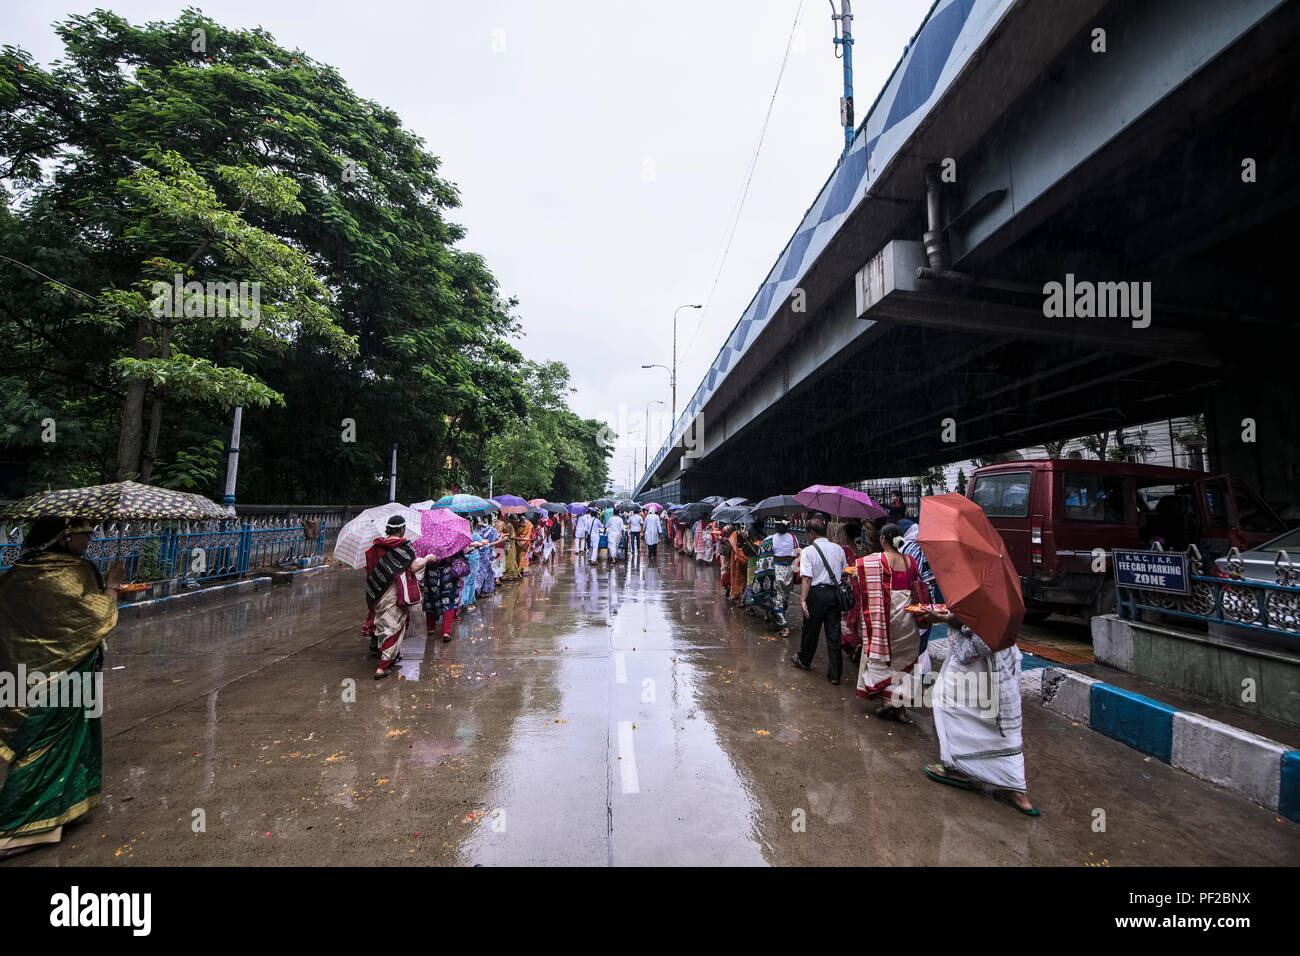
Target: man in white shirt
{"points": [[594, 532], [614, 532], [652, 532], [634, 533], [821, 565], [580, 532]]}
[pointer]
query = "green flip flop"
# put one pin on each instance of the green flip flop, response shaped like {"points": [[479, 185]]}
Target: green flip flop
{"points": [[1004, 796], [942, 777]]}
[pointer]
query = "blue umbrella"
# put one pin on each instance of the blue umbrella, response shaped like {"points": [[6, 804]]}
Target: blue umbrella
{"points": [[465, 504]]}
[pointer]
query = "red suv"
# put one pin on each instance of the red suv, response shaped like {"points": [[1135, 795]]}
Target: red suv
{"points": [[1052, 513]]}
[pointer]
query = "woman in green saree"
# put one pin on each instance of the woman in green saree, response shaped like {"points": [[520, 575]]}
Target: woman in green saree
{"points": [[55, 611]]}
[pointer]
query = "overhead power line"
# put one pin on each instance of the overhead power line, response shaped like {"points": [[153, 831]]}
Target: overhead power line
{"points": [[753, 164]]}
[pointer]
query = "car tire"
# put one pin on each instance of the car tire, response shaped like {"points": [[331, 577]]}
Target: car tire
{"points": [[1105, 601]]}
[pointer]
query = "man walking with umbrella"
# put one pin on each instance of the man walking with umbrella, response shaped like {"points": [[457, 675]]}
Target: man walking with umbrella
{"points": [[652, 532], [821, 565]]}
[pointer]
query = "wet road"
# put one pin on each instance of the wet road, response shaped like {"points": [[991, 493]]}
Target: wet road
{"points": [[580, 717]]}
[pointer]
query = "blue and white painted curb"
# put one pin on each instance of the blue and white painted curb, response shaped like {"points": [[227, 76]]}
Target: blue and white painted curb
{"points": [[1255, 767], [248, 584]]}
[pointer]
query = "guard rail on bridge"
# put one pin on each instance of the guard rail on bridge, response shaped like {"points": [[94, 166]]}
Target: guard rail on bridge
{"points": [[267, 537]]}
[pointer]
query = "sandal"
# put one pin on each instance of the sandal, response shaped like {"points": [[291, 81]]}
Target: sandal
{"points": [[937, 771], [1004, 796], [897, 714]]}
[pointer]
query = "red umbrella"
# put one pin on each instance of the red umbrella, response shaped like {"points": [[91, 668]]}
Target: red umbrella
{"points": [[978, 580], [840, 502]]}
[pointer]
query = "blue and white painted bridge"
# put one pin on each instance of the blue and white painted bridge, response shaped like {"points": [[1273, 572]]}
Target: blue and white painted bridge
{"points": [[1131, 147]]}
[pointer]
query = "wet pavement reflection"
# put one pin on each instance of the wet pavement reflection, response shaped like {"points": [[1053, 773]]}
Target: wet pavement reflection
{"points": [[587, 717]]}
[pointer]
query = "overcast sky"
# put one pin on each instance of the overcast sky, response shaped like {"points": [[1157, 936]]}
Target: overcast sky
{"points": [[600, 150]]}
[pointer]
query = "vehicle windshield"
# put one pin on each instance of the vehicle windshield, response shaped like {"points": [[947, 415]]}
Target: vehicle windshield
{"points": [[1289, 542]]}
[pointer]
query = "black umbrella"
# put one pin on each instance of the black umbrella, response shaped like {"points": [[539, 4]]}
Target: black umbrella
{"points": [[625, 505], [734, 514], [600, 504], [712, 500], [778, 506], [737, 501], [554, 507], [693, 512]]}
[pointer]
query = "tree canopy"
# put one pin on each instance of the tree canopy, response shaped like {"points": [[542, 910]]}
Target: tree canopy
{"points": [[157, 169]]}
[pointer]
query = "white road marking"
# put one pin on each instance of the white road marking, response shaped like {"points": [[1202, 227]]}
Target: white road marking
{"points": [[627, 757], [620, 667]]}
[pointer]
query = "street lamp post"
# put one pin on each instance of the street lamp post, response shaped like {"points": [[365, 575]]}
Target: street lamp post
{"points": [[674, 372]]}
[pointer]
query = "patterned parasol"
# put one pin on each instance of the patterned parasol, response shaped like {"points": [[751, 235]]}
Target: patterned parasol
{"points": [[463, 504], [120, 500], [442, 534], [356, 537]]}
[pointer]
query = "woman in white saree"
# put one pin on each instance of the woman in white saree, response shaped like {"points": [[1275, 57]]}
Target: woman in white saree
{"points": [[977, 717]]}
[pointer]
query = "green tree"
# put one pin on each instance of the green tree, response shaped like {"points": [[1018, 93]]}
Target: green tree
{"points": [[136, 154]]}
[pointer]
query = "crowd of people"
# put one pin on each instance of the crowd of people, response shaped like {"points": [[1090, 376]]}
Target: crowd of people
{"points": [[878, 628], [58, 609], [503, 550], [882, 564]]}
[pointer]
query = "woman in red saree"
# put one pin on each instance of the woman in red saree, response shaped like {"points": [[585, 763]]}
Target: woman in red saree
{"points": [[891, 638]]}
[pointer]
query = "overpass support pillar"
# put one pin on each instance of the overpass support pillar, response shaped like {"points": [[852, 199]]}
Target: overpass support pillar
{"points": [[1258, 398]]}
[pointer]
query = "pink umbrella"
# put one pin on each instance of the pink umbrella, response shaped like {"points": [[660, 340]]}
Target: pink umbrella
{"points": [[840, 502], [442, 534], [655, 507]]}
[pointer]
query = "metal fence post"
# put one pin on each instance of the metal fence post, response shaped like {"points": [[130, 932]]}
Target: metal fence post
{"points": [[245, 548]]}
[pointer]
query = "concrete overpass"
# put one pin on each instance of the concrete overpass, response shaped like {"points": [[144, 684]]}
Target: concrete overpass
{"points": [[1025, 153]]}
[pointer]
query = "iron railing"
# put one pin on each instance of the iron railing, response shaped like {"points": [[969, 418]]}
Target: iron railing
{"points": [[1272, 608], [191, 552]]}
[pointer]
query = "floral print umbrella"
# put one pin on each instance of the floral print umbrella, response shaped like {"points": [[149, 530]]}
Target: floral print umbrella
{"points": [[122, 500], [356, 537], [442, 534], [463, 504]]}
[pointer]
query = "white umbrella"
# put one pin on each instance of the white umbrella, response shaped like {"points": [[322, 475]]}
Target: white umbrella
{"points": [[356, 537]]}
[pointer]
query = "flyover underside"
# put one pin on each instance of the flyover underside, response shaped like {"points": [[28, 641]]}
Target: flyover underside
{"points": [[1165, 202], [879, 409]]}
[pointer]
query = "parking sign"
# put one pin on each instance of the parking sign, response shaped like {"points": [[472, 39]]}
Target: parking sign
{"points": [[1151, 570]]}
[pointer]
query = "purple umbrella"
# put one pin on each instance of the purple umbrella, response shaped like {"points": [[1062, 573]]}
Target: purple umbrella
{"points": [[840, 502], [511, 504], [577, 509]]}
